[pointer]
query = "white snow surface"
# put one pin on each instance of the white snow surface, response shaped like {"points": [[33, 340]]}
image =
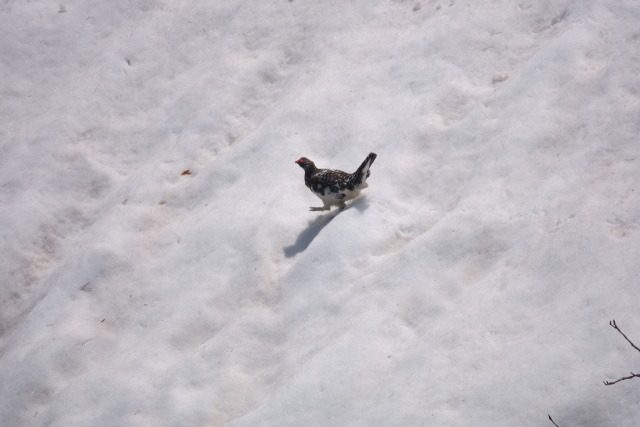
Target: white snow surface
{"points": [[471, 284]]}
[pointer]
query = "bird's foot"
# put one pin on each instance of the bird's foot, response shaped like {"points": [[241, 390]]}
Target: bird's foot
{"points": [[324, 208]]}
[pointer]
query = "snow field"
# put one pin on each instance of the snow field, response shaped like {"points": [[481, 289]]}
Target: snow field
{"points": [[471, 285]]}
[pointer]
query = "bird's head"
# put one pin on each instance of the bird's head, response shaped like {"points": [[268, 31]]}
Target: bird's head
{"points": [[305, 163]]}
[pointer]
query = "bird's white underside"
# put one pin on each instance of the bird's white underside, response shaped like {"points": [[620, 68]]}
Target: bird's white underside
{"points": [[332, 199]]}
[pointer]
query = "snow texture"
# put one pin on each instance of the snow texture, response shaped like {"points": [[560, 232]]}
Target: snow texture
{"points": [[470, 285]]}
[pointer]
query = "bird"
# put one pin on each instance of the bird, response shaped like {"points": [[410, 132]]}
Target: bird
{"points": [[335, 187]]}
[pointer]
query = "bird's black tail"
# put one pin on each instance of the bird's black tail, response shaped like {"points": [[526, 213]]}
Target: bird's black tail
{"points": [[360, 176]]}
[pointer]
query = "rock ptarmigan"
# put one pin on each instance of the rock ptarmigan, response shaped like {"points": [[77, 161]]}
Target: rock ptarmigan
{"points": [[335, 187]]}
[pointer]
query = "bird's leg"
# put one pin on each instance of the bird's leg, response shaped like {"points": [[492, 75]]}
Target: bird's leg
{"points": [[326, 207], [341, 206]]}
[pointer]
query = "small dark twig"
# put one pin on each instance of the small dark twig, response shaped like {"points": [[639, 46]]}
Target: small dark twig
{"points": [[621, 379], [614, 326], [554, 423]]}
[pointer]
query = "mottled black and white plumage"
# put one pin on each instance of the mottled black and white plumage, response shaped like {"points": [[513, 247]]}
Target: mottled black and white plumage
{"points": [[335, 187]]}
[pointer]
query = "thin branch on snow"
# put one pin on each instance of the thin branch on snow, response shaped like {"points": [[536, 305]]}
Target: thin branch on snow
{"points": [[614, 326], [621, 379], [554, 423]]}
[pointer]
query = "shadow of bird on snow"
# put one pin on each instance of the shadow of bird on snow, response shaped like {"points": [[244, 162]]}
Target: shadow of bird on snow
{"points": [[315, 227]]}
